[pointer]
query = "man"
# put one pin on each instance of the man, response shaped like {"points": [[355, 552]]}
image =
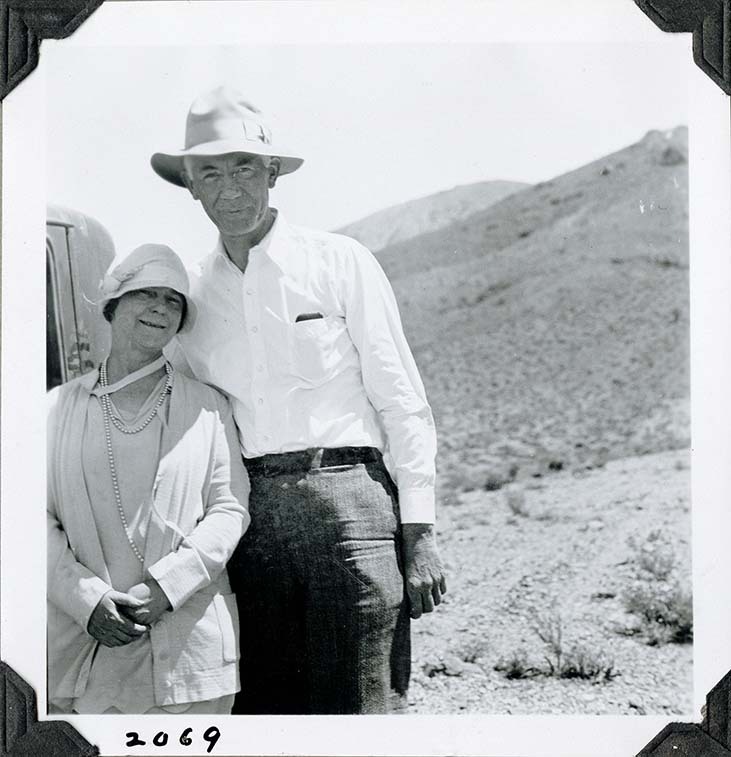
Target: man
{"points": [[301, 329]]}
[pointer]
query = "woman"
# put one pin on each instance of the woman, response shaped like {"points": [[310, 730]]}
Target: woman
{"points": [[147, 500]]}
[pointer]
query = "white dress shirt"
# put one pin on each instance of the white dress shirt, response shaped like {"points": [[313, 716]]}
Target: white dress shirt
{"points": [[343, 378]]}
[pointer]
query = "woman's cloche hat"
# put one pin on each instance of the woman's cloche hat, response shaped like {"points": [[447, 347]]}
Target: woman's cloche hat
{"points": [[222, 121], [150, 265]]}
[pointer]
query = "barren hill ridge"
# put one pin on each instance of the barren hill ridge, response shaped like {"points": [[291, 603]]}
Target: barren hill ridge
{"points": [[415, 217], [611, 179], [551, 328]]}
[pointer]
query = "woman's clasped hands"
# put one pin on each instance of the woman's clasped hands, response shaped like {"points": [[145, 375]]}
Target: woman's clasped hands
{"points": [[121, 617]]}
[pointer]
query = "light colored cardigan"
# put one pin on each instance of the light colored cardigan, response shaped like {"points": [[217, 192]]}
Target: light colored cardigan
{"points": [[200, 511]]}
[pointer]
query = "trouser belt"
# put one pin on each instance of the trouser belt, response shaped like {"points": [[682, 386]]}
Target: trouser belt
{"points": [[310, 459]]}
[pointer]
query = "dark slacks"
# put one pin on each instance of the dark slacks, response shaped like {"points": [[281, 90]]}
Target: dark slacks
{"points": [[324, 619]]}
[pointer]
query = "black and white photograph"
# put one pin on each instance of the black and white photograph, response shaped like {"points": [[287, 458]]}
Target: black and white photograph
{"points": [[370, 334]]}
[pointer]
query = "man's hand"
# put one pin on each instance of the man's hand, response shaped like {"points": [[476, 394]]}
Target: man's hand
{"points": [[154, 602], [425, 581], [109, 626]]}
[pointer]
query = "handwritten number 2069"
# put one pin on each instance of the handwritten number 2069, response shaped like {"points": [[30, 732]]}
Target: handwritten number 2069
{"points": [[212, 735]]}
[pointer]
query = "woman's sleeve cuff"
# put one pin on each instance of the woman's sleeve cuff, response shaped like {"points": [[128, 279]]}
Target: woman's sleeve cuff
{"points": [[82, 604], [180, 576]]}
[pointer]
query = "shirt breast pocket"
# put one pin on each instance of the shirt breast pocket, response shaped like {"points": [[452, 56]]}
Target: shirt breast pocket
{"points": [[317, 348]]}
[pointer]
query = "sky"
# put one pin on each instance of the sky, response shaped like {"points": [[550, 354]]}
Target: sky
{"points": [[377, 124]]}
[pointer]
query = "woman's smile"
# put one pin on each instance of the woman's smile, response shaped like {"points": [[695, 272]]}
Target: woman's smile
{"points": [[151, 324]]}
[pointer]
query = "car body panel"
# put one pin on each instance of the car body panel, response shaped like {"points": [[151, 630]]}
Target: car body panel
{"points": [[78, 252]]}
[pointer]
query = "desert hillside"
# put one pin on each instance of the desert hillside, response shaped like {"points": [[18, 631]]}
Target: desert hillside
{"points": [[551, 328]]}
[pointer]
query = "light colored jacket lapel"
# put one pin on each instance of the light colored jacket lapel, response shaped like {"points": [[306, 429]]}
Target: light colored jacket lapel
{"points": [[69, 483], [160, 532]]}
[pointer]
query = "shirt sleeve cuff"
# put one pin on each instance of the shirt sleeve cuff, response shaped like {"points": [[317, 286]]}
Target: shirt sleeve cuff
{"points": [[417, 506], [179, 576]]}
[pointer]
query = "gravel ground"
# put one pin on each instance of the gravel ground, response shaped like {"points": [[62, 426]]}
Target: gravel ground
{"points": [[561, 546]]}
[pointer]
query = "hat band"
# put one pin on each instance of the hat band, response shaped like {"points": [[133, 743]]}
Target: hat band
{"points": [[227, 129]]}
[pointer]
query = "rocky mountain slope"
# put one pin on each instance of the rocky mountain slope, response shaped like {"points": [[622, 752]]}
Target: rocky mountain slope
{"points": [[551, 328], [425, 214]]}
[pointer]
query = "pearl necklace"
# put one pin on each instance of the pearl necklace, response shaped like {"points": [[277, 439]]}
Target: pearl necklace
{"points": [[108, 416], [107, 402]]}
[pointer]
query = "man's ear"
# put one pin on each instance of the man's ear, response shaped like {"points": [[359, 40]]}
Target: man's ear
{"points": [[274, 165]]}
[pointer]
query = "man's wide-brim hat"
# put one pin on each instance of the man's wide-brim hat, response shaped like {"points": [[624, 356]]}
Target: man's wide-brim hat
{"points": [[219, 122]]}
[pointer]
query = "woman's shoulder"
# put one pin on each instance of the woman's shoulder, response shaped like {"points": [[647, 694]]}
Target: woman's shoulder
{"points": [[204, 394], [62, 392]]}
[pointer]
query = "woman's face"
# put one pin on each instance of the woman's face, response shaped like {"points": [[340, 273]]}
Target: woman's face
{"points": [[146, 319]]}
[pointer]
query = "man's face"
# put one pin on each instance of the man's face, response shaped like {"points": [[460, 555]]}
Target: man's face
{"points": [[233, 189]]}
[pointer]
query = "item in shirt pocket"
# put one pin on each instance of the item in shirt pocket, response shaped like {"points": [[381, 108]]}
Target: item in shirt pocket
{"points": [[308, 317], [317, 347]]}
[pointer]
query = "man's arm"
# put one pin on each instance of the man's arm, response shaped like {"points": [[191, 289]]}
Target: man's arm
{"points": [[394, 387]]}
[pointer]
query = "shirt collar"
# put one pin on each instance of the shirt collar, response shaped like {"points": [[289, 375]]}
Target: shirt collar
{"points": [[271, 244]]}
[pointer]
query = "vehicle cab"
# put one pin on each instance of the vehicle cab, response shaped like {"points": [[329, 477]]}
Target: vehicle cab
{"points": [[79, 251]]}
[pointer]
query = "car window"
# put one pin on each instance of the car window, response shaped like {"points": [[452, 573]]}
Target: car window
{"points": [[54, 362]]}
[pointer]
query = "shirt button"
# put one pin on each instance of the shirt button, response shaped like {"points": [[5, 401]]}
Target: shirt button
{"points": [[260, 367], [254, 329], [260, 400], [249, 291]]}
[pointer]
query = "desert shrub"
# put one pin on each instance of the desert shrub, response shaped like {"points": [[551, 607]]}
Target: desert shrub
{"points": [[656, 596], [663, 261], [665, 609], [463, 478], [472, 650], [546, 516], [562, 660], [549, 629], [585, 664], [497, 473], [569, 661], [515, 500], [494, 483], [603, 595], [672, 156], [655, 556], [516, 666]]}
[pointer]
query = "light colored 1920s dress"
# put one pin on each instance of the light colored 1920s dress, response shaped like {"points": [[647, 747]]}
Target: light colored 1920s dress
{"points": [[184, 492]]}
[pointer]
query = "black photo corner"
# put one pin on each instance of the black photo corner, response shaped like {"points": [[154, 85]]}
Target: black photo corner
{"points": [[25, 23]]}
